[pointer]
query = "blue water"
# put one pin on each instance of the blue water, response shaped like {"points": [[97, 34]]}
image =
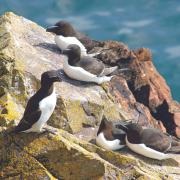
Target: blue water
{"points": [[154, 24]]}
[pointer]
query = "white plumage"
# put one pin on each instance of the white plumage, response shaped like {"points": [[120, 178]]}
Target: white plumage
{"points": [[63, 42], [148, 152], [106, 144], [80, 74], [46, 106]]}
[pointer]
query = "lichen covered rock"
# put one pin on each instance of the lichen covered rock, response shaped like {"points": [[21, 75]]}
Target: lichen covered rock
{"points": [[26, 51], [65, 156]]}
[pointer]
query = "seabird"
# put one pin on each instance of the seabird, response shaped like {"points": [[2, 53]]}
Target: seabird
{"points": [[40, 106], [109, 137], [66, 35], [85, 68], [150, 142]]}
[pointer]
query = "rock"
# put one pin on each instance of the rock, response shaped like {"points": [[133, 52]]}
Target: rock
{"points": [[28, 53], [65, 156], [145, 84], [25, 53]]}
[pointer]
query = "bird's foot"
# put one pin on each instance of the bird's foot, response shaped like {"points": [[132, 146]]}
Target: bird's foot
{"points": [[49, 129], [104, 79], [93, 54]]}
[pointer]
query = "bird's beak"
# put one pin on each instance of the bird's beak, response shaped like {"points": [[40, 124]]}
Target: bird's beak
{"points": [[66, 51], [59, 75], [51, 28], [122, 125]]}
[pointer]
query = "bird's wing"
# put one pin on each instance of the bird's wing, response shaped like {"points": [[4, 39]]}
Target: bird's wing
{"points": [[155, 139], [119, 134], [91, 65], [108, 70], [28, 120], [31, 115]]}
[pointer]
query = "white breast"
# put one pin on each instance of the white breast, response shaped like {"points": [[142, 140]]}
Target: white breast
{"points": [[106, 144], [146, 151], [63, 42], [46, 106], [80, 74]]}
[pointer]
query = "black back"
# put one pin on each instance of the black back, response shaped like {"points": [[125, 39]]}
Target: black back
{"points": [[110, 131], [32, 112], [155, 139], [151, 137], [90, 64], [66, 29]]}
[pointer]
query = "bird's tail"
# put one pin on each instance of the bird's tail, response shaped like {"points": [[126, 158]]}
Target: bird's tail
{"points": [[176, 157], [174, 150], [108, 71]]}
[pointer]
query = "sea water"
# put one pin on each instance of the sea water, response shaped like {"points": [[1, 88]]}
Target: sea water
{"points": [[154, 24]]}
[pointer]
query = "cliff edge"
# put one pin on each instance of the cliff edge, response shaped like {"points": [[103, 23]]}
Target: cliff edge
{"points": [[140, 93]]}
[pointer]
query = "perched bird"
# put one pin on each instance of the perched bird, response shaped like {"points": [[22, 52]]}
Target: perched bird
{"points": [[150, 142], [85, 68], [40, 106], [109, 137], [66, 35]]}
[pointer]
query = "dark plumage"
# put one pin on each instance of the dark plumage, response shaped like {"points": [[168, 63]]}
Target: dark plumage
{"points": [[151, 137], [32, 112], [67, 30], [110, 131], [110, 137], [89, 64]]}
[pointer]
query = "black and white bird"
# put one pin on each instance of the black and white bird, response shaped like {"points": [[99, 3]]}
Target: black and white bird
{"points": [[41, 105], [150, 142], [85, 68], [109, 137], [65, 35]]}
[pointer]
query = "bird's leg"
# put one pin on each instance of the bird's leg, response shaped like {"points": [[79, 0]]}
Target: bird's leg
{"points": [[49, 129]]}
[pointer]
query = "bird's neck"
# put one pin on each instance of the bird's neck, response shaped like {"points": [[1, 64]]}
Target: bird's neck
{"points": [[46, 89], [73, 60], [134, 137]]}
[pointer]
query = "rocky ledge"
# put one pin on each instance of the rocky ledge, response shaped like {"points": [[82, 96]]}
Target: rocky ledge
{"points": [[140, 93]]}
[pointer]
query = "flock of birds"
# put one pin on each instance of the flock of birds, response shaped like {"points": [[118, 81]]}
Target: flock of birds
{"points": [[80, 65]]}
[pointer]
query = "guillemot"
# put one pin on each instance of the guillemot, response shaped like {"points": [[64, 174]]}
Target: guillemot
{"points": [[85, 68], [40, 106], [150, 142], [109, 137], [65, 35]]}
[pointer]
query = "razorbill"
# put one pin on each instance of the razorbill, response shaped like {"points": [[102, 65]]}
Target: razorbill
{"points": [[150, 142], [65, 35], [40, 106], [109, 137], [85, 68]]}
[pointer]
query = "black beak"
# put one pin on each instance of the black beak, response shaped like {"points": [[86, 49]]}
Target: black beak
{"points": [[66, 51], [51, 29], [122, 124], [59, 74]]}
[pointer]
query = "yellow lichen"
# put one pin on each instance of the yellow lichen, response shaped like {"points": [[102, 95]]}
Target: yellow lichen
{"points": [[11, 108]]}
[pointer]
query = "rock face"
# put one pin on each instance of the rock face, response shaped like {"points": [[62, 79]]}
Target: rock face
{"points": [[139, 93]]}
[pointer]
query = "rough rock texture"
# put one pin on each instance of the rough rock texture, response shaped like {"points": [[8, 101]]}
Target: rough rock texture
{"points": [[139, 93], [65, 156]]}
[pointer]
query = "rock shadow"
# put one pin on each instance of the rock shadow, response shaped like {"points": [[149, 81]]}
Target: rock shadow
{"points": [[50, 47]]}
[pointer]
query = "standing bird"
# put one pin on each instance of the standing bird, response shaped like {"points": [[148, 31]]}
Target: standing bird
{"points": [[66, 35], [109, 137], [150, 142], [85, 68], [40, 106]]}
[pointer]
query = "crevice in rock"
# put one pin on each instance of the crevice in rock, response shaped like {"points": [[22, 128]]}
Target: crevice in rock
{"points": [[142, 94], [36, 158], [162, 113]]}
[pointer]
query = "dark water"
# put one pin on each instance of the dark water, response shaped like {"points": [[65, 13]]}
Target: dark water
{"points": [[154, 24]]}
